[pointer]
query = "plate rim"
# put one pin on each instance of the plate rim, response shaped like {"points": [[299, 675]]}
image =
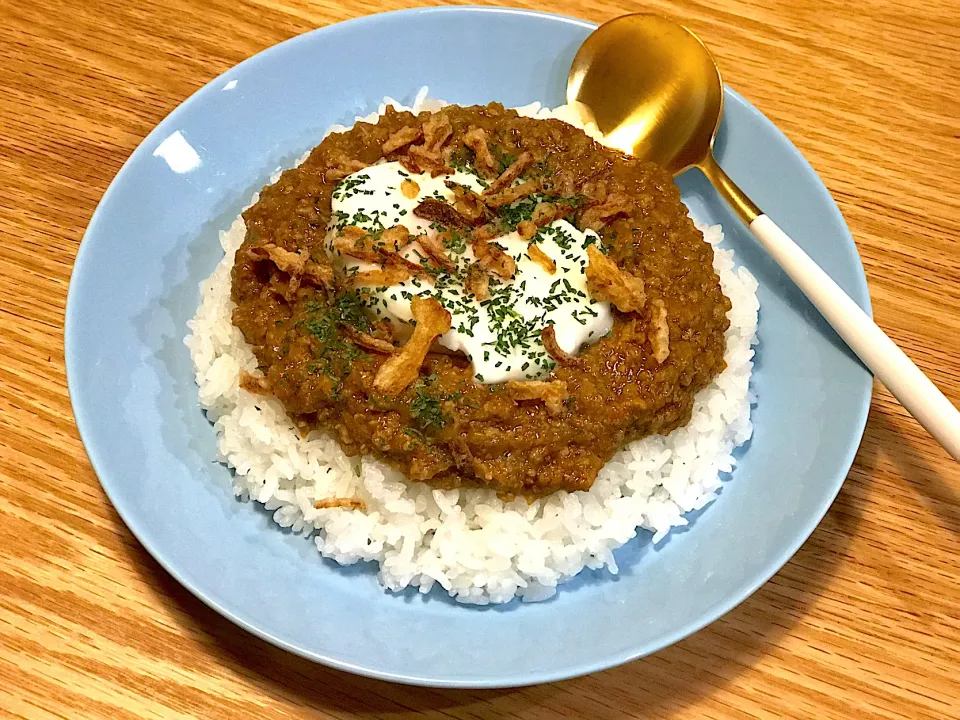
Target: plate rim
{"points": [[84, 422]]}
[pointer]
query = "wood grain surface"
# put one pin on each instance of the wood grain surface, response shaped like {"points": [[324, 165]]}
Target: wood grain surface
{"points": [[864, 622]]}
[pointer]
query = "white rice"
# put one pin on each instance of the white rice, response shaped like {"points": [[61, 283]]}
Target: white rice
{"points": [[478, 548]]}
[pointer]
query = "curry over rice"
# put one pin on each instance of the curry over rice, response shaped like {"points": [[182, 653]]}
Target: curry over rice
{"points": [[376, 327]]}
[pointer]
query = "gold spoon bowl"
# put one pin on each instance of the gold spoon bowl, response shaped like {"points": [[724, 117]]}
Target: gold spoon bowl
{"points": [[654, 91]]}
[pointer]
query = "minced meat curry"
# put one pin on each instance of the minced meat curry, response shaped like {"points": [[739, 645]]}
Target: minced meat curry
{"points": [[336, 366]]}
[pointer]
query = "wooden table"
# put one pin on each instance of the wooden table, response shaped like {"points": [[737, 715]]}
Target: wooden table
{"points": [[864, 622]]}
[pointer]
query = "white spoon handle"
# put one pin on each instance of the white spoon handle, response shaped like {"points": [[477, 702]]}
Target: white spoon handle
{"points": [[878, 352]]}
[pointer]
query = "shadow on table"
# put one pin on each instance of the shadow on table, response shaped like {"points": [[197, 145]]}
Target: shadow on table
{"points": [[661, 684], [936, 488]]}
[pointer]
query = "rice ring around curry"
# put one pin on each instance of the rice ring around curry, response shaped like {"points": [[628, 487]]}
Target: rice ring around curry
{"points": [[320, 350]]}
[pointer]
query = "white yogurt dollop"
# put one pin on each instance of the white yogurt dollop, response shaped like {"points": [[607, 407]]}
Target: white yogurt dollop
{"points": [[500, 335]]}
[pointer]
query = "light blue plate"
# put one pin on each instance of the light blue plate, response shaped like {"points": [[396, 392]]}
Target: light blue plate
{"points": [[154, 237]]}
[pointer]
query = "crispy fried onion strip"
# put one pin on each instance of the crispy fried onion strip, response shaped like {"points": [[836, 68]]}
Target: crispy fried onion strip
{"points": [[606, 281], [419, 159], [383, 277], [296, 264], [292, 263], [415, 269], [357, 243], [484, 233], [383, 248], [553, 393], [546, 213], [477, 282], [659, 331], [512, 194], [394, 239], [510, 174], [494, 258], [410, 165], [550, 344], [320, 273], [467, 202], [401, 138], [434, 248], [402, 367], [436, 131], [341, 167], [476, 140], [596, 216], [367, 341], [541, 258], [443, 213], [526, 229], [341, 503]]}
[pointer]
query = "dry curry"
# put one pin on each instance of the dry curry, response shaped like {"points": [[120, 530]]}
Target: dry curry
{"points": [[334, 365]]}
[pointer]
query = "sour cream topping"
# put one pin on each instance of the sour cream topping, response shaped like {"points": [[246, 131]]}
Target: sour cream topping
{"points": [[500, 335]]}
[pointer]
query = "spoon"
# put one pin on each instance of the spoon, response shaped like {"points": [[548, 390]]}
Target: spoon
{"points": [[654, 91]]}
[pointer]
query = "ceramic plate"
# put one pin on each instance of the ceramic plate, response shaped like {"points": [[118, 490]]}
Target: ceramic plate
{"points": [[154, 237]]}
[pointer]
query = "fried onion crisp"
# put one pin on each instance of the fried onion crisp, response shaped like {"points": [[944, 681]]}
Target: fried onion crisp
{"points": [[357, 243], [484, 233], [660, 331], [352, 232], [467, 202], [546, 213], [596, 216], [286, 261], [342, 503], [512, 194], [437, 129], [477, 282], [297, 265], [401, 138], [426, 160], [403, 367], [321, 273], [433, 246], [553, 393], [409, 164], [476, 140], [606, 281], [368, 341], [550, 344], [494, 258], [342, 167], [399, 261], [386, 276], [441, 212], [507, 177], [526, 229], [394, 239], [541, 258]]}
